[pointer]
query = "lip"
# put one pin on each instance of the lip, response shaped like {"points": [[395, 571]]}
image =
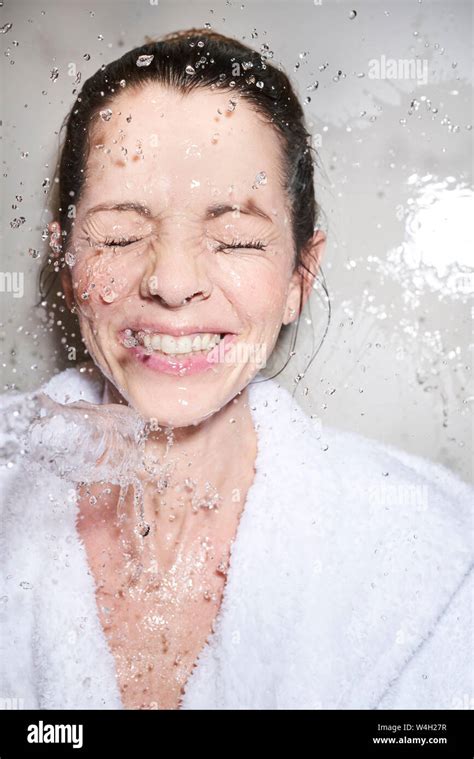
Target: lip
{"points": [[181, 366]]}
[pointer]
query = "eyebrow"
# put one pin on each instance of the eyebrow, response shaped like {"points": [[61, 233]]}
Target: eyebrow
{"points": [[138, 207], [249, 207]]}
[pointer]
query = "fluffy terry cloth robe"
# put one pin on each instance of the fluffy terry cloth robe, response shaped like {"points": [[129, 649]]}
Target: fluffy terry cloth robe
{"points": [[349, 584]]}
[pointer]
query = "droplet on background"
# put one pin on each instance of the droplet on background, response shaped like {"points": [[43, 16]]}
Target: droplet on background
{"points": [[15, 223]]}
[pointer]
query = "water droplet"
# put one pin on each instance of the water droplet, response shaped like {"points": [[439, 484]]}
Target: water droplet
{"points": [[190, 70], [70, 258], [15, 223], [260, 85], [54, 74], [86, 56], [144, 60], [265, 52], [106, 115], [312, 87], [108, 295], [34, 253], [352, 15], [260, 179], [5, 28], [26, 585]]}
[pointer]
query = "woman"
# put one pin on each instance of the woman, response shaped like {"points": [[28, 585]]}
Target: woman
{"points": [[177, 533]]}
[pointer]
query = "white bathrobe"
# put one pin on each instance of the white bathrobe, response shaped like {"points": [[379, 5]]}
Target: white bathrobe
{"points": [[349, 584]]}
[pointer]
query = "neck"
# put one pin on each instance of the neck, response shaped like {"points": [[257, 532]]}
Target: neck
{"points": [[201, 475]]}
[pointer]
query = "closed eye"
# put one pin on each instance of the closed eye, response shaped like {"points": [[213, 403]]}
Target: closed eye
{"points": [[121, 243], [236, 244]]}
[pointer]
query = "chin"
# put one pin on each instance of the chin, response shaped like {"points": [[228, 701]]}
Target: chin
{"points": [[168, 410], [170, 401]]}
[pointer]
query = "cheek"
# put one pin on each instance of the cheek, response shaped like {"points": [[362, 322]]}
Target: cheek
{"points": [[103, 281], [259, 290]]}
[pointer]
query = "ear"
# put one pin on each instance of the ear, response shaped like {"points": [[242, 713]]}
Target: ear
{"points": [[302, 279]]}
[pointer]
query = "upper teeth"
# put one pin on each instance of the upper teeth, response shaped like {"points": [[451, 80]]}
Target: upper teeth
{"points": [[184, 344]]}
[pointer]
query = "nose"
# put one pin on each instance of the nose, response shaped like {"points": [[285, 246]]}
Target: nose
{"points": [[176, 275]]}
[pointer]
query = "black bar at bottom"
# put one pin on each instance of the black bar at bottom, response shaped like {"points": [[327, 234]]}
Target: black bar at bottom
{"points": [[25, 733]]}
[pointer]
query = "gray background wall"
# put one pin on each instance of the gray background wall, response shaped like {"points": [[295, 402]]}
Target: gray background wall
{"points": [[394, 182]]}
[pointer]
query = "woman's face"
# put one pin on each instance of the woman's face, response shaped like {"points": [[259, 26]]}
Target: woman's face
{"points": [[182, 239]]}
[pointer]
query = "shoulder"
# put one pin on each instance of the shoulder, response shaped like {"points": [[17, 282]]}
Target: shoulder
{"points": [[386, 479], [368, 482], [405, 519]]}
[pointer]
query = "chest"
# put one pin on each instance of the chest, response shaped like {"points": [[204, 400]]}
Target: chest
{"points": [[156, 623]]}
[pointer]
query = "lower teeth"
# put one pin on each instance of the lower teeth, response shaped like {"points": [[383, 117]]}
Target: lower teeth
{"points": [[150, 351]]}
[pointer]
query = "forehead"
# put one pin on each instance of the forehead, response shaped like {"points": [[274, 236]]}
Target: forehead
{"points": [[166, 146]]}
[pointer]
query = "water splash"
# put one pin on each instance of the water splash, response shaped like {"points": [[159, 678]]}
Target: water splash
{"points": [[84, 443]]}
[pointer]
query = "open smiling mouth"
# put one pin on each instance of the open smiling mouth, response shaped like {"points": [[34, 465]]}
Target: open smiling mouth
{"points": [[198, 343]]}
